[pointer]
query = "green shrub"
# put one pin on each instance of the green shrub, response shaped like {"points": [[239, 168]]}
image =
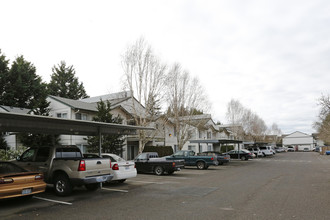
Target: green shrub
{"points": [[11, 154], [161, 150]]}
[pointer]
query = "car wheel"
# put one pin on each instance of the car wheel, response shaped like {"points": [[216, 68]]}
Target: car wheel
{"points": [[200, 165], [220, 163], [159, 170], [243, 158], [62, 185], [121, 181], [92, 186]]}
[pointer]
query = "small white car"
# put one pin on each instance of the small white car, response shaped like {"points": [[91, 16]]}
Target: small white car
{"points": [[120, 168], [267, 151]]}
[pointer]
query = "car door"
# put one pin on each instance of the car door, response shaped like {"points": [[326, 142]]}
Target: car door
{"points": [[27, 158], [141, 163], [42, 160]]}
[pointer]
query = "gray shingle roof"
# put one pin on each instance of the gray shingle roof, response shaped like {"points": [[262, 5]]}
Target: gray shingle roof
{"points": [[15, 109], [76, 104]]}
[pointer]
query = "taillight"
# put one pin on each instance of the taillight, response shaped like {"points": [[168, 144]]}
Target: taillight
{"points": [[134, 166], [173, 164], [39, 177], [115, 167], [212, 158], [82, 166], [8, 180]]}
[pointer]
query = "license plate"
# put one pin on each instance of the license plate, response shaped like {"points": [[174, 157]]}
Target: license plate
{"points": [[26, 191]]}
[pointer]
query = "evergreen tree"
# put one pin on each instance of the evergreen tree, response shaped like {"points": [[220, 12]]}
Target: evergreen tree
{"points": [[63, 83], [110, 143], [3, 143], [20, 85], [3, 73]]}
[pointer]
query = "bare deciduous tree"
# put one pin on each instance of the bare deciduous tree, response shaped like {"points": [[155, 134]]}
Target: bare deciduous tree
{"points": [[144, 77], [246, 124], [323, 124], [184, 96]]}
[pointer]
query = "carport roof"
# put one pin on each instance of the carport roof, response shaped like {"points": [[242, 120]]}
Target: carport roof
{"points": [[216, 141], [12, 122]]}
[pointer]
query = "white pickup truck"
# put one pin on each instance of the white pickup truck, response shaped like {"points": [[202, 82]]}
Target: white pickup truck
{"points": [[65, 167]]}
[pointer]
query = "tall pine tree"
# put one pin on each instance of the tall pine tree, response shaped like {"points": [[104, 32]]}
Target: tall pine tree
{"points": [[63, 83], [20, 85], [110, 143]]}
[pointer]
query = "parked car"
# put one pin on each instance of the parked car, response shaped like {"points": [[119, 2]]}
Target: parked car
{"points": [[290, 149], [279, 149], [120, 168], [256, 151], [16, 181], [65, 167], [267, 151], [201, 162], [242, 154], [222, 158], [149, 162]]}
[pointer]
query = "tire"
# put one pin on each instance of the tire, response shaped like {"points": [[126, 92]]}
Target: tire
{"points": [[62, 185], [121, 181], [220, 163], [92, 186], [243, 158], [206, 167], [200, 165], [159, 170]]}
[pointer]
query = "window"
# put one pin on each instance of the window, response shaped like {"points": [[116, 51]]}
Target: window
{"points": [[209, 135], [62, 115], [81, 116], [180, 153], [29, 155], [68, 153], [42, 154], [192, 147], [7, 168], [199, 134]]}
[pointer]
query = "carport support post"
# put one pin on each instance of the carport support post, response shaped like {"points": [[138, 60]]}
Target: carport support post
{"points": [[238, 151], [100, 146]]}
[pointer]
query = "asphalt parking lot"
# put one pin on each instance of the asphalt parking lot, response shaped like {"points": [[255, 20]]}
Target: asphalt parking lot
{"points": [[286, 186]]}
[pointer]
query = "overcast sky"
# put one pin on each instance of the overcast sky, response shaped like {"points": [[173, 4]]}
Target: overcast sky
{"points": [[272, 56]]}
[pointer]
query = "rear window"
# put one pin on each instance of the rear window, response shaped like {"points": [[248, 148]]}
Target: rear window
{"points": [[7, 168], [68, 153]]}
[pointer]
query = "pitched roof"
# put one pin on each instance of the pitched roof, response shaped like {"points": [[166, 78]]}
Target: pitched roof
{"points": [[116, 97], [15, 109], [76, 104]]}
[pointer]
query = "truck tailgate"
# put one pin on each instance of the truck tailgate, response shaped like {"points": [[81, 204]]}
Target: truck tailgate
{"points": [[97, 166]]}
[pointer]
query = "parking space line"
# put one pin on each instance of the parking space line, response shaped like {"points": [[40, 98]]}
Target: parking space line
{"points": [[51, 200], [116, 190], [144, 182]]}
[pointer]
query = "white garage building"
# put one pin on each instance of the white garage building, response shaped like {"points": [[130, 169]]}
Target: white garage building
{"points": [[300, 141]]}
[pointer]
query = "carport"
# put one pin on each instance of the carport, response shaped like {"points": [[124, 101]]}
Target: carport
{"points": [[13, 122]]}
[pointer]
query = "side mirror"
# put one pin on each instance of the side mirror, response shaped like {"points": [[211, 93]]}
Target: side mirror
{"points": [[18, 158]]}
